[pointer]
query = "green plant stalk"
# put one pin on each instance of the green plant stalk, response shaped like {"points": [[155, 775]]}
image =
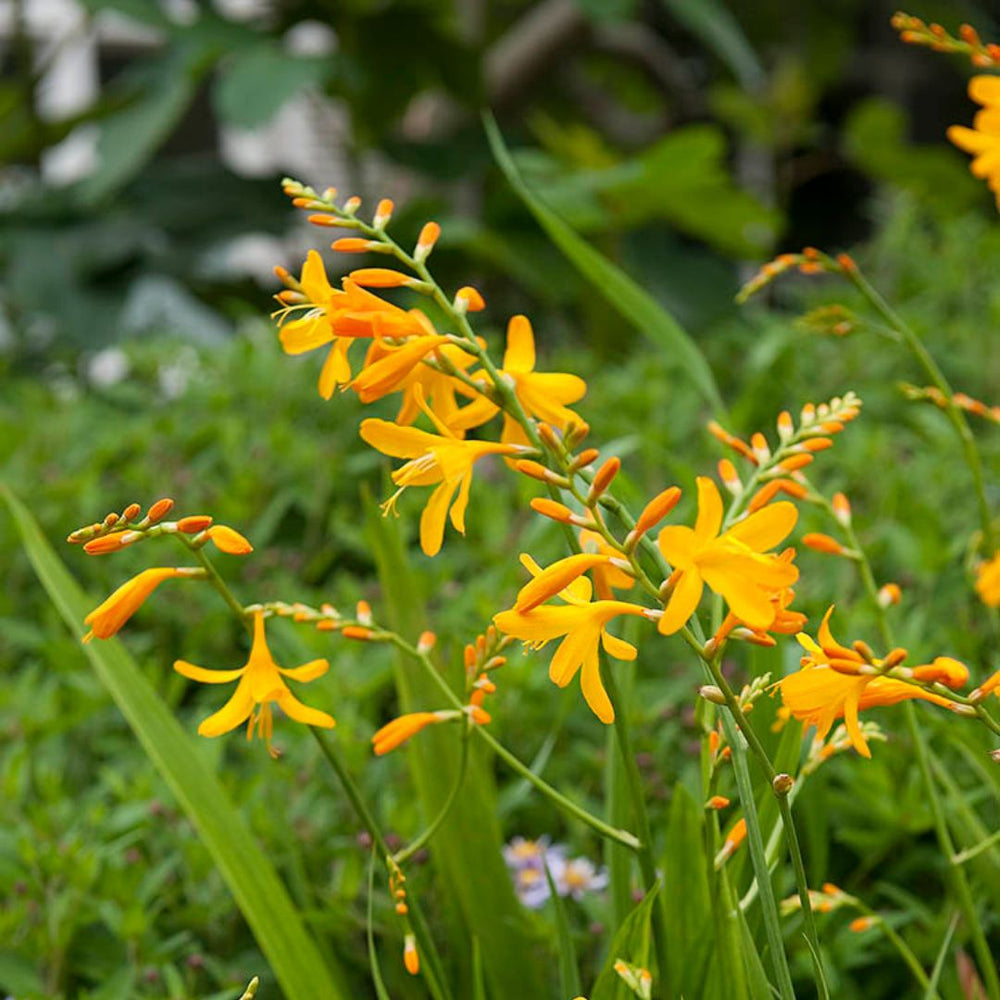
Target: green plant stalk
{"points": [[633, 780], [769, 907], [956, 874], [515, 764], [905, 953], [934, 373], [407, 852], [433, 969], [762, 869]]}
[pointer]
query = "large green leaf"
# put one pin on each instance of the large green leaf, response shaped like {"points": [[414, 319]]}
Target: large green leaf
{"points": [[632, 945], [634, 303], [467, 846], [260, 895], [255, 83]]}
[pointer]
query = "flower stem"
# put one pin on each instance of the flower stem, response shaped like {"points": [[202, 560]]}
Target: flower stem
{"points": [[604, 829]]}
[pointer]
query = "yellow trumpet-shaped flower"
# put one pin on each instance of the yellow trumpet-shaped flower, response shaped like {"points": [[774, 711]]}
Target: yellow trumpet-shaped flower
{"points": [[733, 564], [261, 682], [983, 139], [542, 394], [338, 317], [442, 459], [583, 623], [107, 618], [832, 685]]}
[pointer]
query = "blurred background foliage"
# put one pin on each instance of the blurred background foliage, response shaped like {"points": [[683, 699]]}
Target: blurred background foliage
{"points": [[686, 139]]}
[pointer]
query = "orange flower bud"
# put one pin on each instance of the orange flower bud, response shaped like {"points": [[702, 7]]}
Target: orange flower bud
{"points": [[426, 642], [363, 612], [229, 541], [603, 479], [354, 244], [110, 543], [551, 508], [859, 924], [889, 594], [713, 742], [383, 213], [328, 221], [841, 508], [729, 476], [194, 523], [379, 277], [656, 510], [792, 488], [397, 732], [410, 957], [429, 235], [356, 632], [944, 670], [160, 509], [717, 802], [131, 512], [822, 543], [585, 458], [794, 462], [760, 448], [817, 444], [764, 495], [786, 427], [470, 297], [538, 471]]}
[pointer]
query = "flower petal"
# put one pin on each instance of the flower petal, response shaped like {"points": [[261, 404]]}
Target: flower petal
{"points": [[593, 689], [520, 353], [396, 441], [618, 648], [294, 709], [679, 544], [307, 672], [234, 712], [767, 527], [709, 519], [206, 676], [683, 602], [433, 517]]}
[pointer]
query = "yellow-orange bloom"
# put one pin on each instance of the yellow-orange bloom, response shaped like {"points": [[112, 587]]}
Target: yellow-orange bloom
{"points": [[107, 618], [583, 623], [229, 540], [443, 459], [397, 732], [733, 564], [543, 395], [988, 582], [337, 317], [261, 682], [983, 139], [825, 689], [607, 576]]}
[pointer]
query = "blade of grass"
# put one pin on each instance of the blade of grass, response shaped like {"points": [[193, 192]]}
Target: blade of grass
{"points": [[262, 898], [467, 848], [569, 974], [932, 986], [380, 991], [634, 303]]}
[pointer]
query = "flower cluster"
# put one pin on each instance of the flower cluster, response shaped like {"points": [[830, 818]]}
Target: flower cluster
{"points": [[527, 861]]}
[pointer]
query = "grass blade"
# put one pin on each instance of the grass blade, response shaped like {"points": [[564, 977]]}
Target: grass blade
{"points": [[381, 992], [256, 888], [633, 302], [569, 973]]}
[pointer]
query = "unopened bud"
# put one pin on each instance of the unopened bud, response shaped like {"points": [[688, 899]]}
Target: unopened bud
{"points": [[411, 959], [717, 802], [468, 299], [712, 693], [786, 427], [425, 241], [586, 457], [383, 213], [782, 784], [575, 432], [426, 642], [363, 613], [654, 512], [602, 479], [729, 476], [841, 508], [889, 594], [819, 542], [131, 512]]}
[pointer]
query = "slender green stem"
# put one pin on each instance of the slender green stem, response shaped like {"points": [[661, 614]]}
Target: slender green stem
{"points": [[433, 967], [971, 852], [905, 952], [605, 830], [215, 579], [633, 780], [934, 373], [956, 875], [407, 852]]}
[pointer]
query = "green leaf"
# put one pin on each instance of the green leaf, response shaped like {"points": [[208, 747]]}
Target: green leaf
{"points": [[130, 137], [634, 303], [569, 973], [256, 888], [254, 84], [631, 944], [467, 848], [714, 25]]}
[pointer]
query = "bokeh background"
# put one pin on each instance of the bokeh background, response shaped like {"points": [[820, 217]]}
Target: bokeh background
{"points": [[141, 145]]}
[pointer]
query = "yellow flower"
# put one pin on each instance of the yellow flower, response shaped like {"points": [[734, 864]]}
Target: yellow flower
{"points": [[338, 317], [607, 576], [261, 681], [583, 623], [983, 140], [828, 687], [397, 732], [387, 368], [543, 395], [732, 564], [442, 458], [988, 582], [107, 618]]}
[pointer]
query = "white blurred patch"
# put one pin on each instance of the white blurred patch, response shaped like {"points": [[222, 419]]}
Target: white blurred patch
{"points": [[108, 367]]}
